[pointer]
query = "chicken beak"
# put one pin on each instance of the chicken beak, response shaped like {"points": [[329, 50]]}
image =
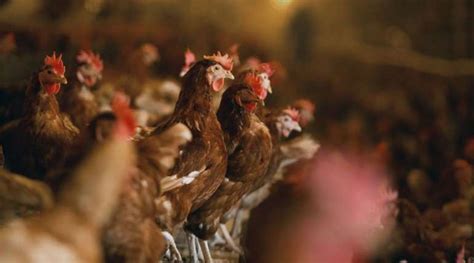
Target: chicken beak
{"points": [[297, 127], [270, 89], [61, 79], [229, 75]]}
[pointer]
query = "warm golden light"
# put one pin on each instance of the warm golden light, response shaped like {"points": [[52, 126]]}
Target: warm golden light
{"points": [[283, 2]]}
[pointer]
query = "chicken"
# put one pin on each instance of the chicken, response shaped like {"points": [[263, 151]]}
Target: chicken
{"points": [[71, 231], [132, 235], [205, 156], [249, 146], [281, 124], [77, 100], [264, 71], [21, 197], [306, 109], [39, 139]]}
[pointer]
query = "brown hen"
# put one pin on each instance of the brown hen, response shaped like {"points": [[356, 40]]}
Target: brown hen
{"points": [[249, 147]]}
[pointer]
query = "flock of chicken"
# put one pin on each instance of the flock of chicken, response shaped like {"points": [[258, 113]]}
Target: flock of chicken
{"points": [[146, 167]]}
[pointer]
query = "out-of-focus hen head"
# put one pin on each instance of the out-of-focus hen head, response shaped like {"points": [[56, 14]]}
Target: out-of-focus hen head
{"points": [[246, 98], [306, 109], [90, 68], [234, 53], [150, 54], [287, 122], [126, 125], [189, 60], [120, 122], [265, 72], [51, 75], [218, 71], [255, 82]]}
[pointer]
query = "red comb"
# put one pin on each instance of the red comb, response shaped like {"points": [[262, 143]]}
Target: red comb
{"points": [[266, 68], [224, 60], [56, 63], [293, 113], [87, 56], [256, 84], [126, 121]]}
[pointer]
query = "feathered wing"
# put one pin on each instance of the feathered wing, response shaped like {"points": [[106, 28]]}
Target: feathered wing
{"points": [[70, 231], [20, 196], [301, 147]]}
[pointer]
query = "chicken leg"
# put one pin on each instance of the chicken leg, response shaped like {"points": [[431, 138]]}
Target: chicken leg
{"points": [[192, 243], [229, 240], [206, 251], [174, 252]]}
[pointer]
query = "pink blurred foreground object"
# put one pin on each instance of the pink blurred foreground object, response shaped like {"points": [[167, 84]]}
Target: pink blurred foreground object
{"points": [[351, 202]]}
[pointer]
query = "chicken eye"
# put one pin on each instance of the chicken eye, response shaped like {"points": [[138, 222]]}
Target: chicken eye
{"points": [[216, 68], [49, 71]]}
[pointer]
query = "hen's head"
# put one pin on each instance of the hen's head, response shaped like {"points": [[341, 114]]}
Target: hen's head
{"points": [[219, 70], [126, 124], [150, 54], [287, 122], [51, 75], [255, 82], [306, 109], [90, 68], [119, 122], [265, 71], [246, 98]]}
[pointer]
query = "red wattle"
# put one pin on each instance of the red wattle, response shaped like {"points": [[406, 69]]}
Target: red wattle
{"points": [[53, 89], [250, 107], [218, 84]]}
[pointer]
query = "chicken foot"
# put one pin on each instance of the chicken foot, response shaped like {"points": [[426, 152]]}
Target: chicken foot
{"points": [[174, 252], [237, 225]]}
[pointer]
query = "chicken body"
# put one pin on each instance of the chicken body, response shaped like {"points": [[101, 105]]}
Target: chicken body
{"points": [[132, 235], [21, 197], [206, 153], [39, 139], [77, 100], [249, 147], [80, 105]]}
